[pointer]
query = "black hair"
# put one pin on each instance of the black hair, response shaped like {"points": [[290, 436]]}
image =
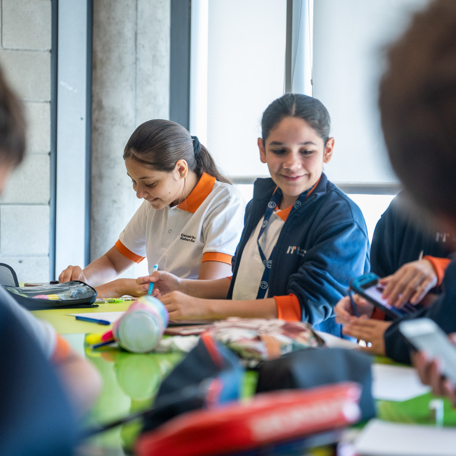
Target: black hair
{"points": [[159, 144], [12, 125], [418, 107], [309, 109]]}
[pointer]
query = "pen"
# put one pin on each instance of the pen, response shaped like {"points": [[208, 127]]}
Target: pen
{"points": [[93, 320], [355, 309], [102, 344], [151, 284]]}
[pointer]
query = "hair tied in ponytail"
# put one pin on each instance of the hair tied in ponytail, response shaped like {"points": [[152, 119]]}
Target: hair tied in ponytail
{"points": [[196, 145]]}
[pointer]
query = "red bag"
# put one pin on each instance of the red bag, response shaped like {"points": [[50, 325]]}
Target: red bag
{"points": [[265, 419]]}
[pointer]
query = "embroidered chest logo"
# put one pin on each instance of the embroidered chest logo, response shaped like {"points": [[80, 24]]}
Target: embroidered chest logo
{"points": [[293, 249], [187, 237], [441, 237]]}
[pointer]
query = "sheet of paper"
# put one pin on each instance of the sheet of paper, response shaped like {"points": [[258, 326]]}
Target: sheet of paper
{"points": [[396, 383], [398, 439], [109, 316], [336, 342]]}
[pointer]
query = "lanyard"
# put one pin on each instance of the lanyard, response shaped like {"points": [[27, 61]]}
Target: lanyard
{"points": [[273, 203]]}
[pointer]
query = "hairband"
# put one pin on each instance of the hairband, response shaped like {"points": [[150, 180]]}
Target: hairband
{"points": [[196, 145]]}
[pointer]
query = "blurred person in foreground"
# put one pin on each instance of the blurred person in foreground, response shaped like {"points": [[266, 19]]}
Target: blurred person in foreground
{"points": [[45, 387]]}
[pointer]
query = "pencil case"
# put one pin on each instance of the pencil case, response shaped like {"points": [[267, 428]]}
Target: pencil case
{"points": [[74, 294]]}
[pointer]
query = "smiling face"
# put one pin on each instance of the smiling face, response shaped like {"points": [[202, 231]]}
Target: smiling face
{"points": [[159, 188], [294, 153]]}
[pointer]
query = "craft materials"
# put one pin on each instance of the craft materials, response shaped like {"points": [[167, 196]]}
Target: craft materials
{"points": [[142, 326]]}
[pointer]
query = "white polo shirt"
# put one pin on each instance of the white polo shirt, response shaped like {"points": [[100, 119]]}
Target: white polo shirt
{"points": [[205, 227]]}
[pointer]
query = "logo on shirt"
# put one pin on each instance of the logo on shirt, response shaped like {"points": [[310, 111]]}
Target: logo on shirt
{"points": [[293, 249], [187, 237], [441, 237]]}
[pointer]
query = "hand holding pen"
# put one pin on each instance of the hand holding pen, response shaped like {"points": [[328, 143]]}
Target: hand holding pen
{"points": [[345, 309], [151, 284], [162, 283]]}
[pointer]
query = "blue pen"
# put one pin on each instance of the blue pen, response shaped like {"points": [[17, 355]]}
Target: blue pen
{"points": [[94, 320], [151, 284], [355, 309], [102, 344]]}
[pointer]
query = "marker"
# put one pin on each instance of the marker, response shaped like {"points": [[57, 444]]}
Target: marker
{"points": [[151, 284], [94, 320]]}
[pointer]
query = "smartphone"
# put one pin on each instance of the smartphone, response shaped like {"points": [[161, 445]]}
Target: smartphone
{"points": [[369, 288], [425, 335]]}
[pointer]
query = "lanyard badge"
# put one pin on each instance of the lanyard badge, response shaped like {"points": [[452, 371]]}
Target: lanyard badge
{"points": [[273, 203]]}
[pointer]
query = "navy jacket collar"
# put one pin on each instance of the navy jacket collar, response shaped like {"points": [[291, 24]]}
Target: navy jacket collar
{"points": [[264, 187]]}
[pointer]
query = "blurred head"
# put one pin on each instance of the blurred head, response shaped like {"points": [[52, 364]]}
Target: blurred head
{"points": [[418, 108], [12, 130], [295, 143]]}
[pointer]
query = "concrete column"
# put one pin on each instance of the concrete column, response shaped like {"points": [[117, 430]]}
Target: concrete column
{"points": [[24, 206], [130, 85]]}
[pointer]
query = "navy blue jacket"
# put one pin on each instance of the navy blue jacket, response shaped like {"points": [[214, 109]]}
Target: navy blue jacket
{"points": [[322, 245], [442, 311], [399, 240], [37, 417]]}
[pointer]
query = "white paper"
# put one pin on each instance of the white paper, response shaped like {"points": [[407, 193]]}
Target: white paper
{"points": [[109, 316], [396, 383], [336, 342], [398, 439]]}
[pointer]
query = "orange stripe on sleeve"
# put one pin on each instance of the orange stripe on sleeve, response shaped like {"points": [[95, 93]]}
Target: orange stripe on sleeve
{"points": [[288, 307], [128, 253], [216, 256], [439, 265], [61, 351]]}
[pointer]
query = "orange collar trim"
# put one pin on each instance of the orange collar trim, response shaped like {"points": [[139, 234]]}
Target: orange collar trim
{"points": [[201, 191], [284, 213]]}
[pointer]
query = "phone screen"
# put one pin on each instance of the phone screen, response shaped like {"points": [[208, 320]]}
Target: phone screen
{"points": [[375, 292], [426, 336]]}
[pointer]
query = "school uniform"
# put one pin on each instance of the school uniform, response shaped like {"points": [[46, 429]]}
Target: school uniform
{"points": [[54, 347], [319, 247], [37, 417], [206, 226], [442, 311], [398, 239]]}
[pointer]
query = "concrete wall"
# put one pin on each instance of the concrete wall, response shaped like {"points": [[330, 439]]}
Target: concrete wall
{"points": [[130, 85], [24, 206]]}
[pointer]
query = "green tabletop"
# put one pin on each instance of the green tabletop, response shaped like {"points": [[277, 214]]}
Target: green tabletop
{"points": [[64, 323], [130, 381]]}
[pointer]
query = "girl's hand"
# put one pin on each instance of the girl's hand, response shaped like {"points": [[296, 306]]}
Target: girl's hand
{"points": [[121, 287], [430, 374], [410, 283], [183, 307], [165, 283], [370, 331], [344, 309], [72, 273]]}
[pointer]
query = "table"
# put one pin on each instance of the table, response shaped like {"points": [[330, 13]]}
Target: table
{"points": [[130, 382]]}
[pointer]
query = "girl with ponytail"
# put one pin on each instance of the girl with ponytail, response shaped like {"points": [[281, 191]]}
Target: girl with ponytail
{"points": [[189, 223]]}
